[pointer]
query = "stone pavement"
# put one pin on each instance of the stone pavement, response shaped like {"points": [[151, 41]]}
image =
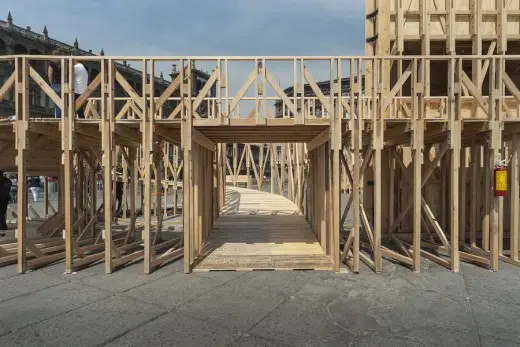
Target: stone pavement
{"points": [[168, 308]]}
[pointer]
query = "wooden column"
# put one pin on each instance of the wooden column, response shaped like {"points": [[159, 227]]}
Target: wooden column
{"points": [[148, 147], [378, 139], [46, 197], [417, 154], [515, 198], [22, 143], [474, 185], [107, 107], [133, 166], [495, 116], [455, 148], [187, 209], [67, 120]]}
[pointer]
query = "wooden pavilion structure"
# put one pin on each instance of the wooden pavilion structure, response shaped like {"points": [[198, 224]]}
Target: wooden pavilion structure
{"points": [[418, 143]]}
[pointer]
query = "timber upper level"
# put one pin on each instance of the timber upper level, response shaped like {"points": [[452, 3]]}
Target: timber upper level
{"points": [[245, 90]]}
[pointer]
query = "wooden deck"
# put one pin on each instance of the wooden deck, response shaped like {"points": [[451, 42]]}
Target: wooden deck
{"points": [[261, 231]]}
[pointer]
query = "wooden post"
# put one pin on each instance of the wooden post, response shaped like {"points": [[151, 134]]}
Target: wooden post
{"points": [[147, 132], [475, 165], [187, 168], [495, 117], [417, 149], [93, 197], [378, 139], [515, 198], [68, 114], [455, 145], [133, 165], [46, 196], [125, 186], [107, 107], [22, 120]]}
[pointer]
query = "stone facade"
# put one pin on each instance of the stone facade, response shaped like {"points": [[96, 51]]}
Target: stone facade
{"points": [[18, 40]]}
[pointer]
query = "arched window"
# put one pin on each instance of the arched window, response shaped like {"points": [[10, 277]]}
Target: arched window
{"points": [[20, 49], [3, 49]]}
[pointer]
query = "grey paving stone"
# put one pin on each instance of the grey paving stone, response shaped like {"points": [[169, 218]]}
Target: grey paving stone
{"points": [[221, 276], [19, 285], [253, 341], [231, 309], [58, 270], [485, 284], [175, 329], [497, 319], [384, 341], [492, 341], [325, 290], [300, 322], [280, 282], [89, 325], [44, 304], [420, 309], [172, 290], [124, 279], [8, 271]]}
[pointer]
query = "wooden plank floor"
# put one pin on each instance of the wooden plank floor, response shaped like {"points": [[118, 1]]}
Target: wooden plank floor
{"points": [[258, 230]]}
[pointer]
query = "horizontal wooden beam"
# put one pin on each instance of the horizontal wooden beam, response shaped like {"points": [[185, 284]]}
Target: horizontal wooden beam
{"points": [[202, 140], [320, 139]]}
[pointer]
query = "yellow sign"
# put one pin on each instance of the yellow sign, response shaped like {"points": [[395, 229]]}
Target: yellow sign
{"points": [[501, 180]]}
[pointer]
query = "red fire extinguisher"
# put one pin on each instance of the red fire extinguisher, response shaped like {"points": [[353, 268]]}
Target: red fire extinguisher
{"points": [[500, 179]]}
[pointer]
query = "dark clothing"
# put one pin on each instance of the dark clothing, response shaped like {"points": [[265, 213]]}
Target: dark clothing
{"points": [[81, 111], [119, 194], [34, 182], [56, 72], [5, 190]]}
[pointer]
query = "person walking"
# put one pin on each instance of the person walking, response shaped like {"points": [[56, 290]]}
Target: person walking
{"points": [[119, 195], [5, 189], [80, 81], [14, 189], [34, 187], [80, 85]]}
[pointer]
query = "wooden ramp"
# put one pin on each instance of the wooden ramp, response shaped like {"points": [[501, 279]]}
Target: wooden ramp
{"points": [[261, 231]]}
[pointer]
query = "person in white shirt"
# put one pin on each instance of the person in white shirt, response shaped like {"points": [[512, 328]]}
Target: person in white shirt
{"points": [[80, 85]]}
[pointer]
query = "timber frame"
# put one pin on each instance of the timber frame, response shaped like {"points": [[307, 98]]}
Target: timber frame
{"points": [[413, 157]]}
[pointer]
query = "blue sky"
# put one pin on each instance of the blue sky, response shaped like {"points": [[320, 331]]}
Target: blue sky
{"points": [[199, 27]]}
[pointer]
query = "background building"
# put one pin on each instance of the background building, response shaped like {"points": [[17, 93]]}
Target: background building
{"points": [[18, 40]]}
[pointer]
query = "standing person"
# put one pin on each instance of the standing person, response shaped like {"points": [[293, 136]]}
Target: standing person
{"points": [[119, 195], [5, 189], [34, 187], [54, 74], [14, 188], [80, 81], [80, 85]]}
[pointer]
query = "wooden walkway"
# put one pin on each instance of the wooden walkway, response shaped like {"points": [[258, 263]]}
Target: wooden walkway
{"points": [[261, 231]]}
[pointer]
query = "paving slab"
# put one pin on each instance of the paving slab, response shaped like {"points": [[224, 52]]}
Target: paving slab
{"points": [[173, 290], [221, 276], [89, 325], [300, 322], [497, 319], [176, 329], [253, 341], [58, 270], [125, 278], [19, 285], [489, 285], [44, 304], [277, 282], [237, 311], [8, 271]]}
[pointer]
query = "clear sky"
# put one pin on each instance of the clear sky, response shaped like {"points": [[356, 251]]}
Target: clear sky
{"points": [[199, 27]]}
